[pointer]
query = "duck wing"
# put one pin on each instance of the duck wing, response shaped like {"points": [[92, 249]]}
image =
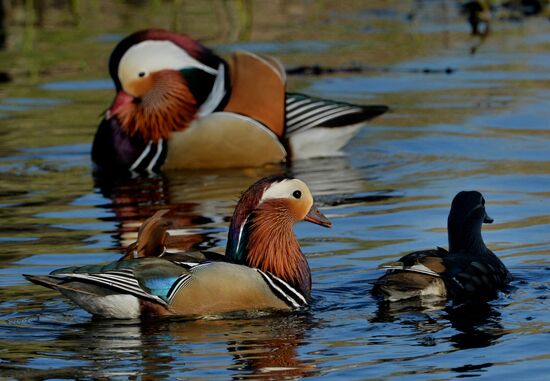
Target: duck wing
{"points": [[465, 275], [469, 276], [428, 262]]}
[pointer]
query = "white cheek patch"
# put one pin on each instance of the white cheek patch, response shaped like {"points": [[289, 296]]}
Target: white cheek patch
{"points": [[150, 56]]}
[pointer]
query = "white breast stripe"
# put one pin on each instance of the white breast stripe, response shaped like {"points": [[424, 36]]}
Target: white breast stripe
{"points": [[142, 156], [181, 282], [156, 157], [216, 95], [278, 292], [288, 288], [277, 289]]}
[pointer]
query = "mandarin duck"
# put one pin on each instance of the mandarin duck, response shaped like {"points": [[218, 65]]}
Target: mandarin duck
{"points": [[263, 267], [179, 105], [469, 271]]}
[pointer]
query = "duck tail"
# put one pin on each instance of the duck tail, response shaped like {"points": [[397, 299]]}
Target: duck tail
{"points": [[44, 280]]}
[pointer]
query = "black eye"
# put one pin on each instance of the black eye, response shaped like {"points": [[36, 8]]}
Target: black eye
{"points": [[141, 74], [297, 194]]}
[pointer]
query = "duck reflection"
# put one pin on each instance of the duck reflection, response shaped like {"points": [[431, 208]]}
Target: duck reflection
{"points": [[258, 347], [201, 202], [273, 354], [478, 324]]}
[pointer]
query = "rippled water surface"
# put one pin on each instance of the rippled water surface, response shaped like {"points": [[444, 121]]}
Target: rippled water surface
{"points": [[483, 124]]}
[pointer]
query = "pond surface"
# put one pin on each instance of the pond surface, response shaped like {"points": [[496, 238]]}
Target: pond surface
{"points": [[483, 124]]}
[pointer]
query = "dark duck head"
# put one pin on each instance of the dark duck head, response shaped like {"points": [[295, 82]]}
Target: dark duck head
{"points": [[464, 223], [261, 234], [162, 80]]}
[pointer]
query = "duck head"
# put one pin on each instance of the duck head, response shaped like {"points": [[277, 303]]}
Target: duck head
{"points": [[261, 234], [465, 219], [162, 80]]}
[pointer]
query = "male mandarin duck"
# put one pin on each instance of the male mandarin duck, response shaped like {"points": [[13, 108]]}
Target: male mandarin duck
{"points": [[263, 268], [469, 271], [179, 105]]}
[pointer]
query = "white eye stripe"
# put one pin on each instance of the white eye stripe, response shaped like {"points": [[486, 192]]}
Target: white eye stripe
{"points": [[284, 189], [149, 56]]}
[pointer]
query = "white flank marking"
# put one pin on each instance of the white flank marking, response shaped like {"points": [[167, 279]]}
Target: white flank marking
{"points": [[321, 141], [117, 306]]}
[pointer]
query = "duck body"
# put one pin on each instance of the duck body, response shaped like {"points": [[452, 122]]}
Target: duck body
{"points": [[159, 287], [263, 268], [469, 271], [178, 105]]}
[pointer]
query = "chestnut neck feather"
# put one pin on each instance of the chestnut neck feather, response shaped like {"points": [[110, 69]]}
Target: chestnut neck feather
{"points": [[169, 106], [271, 245]]}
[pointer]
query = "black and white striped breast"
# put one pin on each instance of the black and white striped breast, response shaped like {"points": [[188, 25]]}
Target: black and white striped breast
{"points": [[288, 294]]}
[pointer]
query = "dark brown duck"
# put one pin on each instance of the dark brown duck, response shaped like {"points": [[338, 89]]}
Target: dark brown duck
{"points": [[468, 271]]}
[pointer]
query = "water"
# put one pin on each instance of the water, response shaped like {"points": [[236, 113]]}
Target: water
{"points": [[484, 127]]}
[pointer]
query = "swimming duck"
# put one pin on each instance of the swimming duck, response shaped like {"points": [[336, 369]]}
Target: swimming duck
{"points": [[468, 271], [179, 105], [263, 267]]}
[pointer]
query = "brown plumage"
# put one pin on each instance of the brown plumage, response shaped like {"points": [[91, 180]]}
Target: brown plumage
{"points": [[167, 106], [272, 222], [152, 237], [238, 111]]}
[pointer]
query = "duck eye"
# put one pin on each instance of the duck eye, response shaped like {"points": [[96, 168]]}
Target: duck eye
{"points": [[297, 194], [141, 74]]}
